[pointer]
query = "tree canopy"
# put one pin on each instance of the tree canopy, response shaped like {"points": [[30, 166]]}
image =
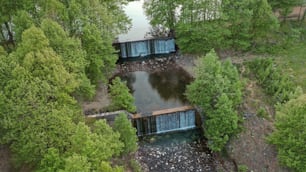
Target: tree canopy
{"points": [[52, 51], [202, 25], [217, 91], [290, 133]]}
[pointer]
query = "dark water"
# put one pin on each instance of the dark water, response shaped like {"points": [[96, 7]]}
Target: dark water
{"points": [[159, 90]]}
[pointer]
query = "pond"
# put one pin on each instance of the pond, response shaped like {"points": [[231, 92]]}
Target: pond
{"points": [[158, 90]]}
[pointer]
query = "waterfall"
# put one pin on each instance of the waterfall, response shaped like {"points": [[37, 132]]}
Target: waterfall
{"points": [[146, 47], [175, 121]]}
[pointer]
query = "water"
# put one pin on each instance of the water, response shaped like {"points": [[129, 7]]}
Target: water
{"points": [[159, 90], [140, 24]]}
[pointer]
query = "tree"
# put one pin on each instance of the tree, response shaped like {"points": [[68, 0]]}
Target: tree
{"points": [[264, 22], [76, 163], [44, 62], [162, 13], [127, 133], [220, 123], [120, 95], [72, 55], [238, 15], [100, 56], [217, 91], [38, 111], [290, 133], [201, 27]]}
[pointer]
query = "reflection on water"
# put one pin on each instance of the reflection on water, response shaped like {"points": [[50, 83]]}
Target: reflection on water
{"points": [[140, 23], [159, 90]]}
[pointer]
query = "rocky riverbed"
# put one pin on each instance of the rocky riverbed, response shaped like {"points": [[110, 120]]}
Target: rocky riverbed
{"points": [[176, 157], [180, 152]]}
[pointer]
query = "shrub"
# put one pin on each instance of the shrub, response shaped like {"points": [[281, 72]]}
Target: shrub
{"points": [[275, 83], [121, 97]]}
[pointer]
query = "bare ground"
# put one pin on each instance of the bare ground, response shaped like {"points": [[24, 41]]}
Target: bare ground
{"points": [[250, 147], [100, 101], [5, 156]]}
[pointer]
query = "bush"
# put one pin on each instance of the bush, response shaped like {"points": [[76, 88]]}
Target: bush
{"points": [[121, 97], [127, 133], [290, 134], [242, 168], [135, 165], [274, 82]]}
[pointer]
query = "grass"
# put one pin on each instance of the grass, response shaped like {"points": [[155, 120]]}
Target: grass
{"points": [[293, 61]]}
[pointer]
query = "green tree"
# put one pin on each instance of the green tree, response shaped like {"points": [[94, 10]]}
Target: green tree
{"points": [[162, 13], [75, 163], [217, 91], [264, 22], [201, 27], [120, 95], [238, 15], [100, 56], [290, 133], [127, 133], [38, 109], [51, 161], [72, 54], [220, 123]]}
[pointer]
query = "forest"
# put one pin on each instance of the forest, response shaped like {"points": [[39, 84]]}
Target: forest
{"points": [[55, 53]]}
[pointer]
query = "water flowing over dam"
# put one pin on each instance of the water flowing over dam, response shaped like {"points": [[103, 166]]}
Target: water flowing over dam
{"points": [[167, 120]]}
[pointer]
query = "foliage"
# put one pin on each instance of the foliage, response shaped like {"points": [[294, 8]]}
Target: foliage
{"points": [[105, 167], [264, 24], [220, 123], [202, 25], [290, 134], [162, 12], [135, 165], [120, 96], [201, 37], [274, 82], [127, 133], [76, 163], [239, 15], [95, 23], [261, 112], [242, 168], [39, 118], [72, 54], [100, 56], [284, 6], [217, 91]]}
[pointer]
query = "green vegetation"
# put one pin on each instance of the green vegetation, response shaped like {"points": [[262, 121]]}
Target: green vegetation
{"points": [[290, 134], [203, 25], [121, 97], [51, 52], [272, 79], [127, 133], [292, 62], [219, 99], [242, 168]]}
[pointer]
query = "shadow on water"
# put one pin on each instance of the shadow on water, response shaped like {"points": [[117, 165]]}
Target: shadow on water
{"points": [[158, 90]]}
